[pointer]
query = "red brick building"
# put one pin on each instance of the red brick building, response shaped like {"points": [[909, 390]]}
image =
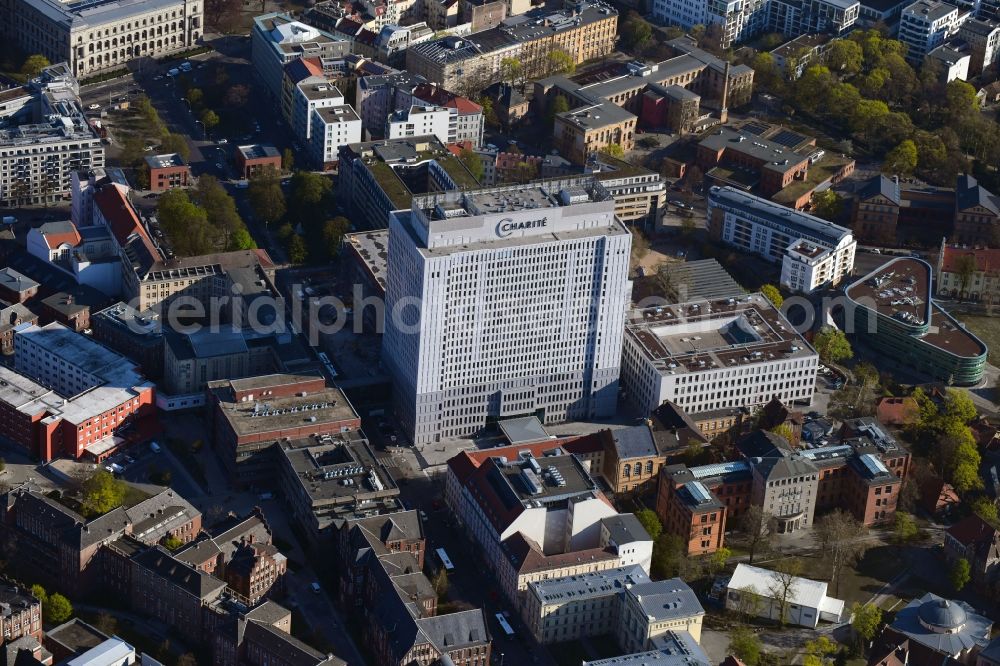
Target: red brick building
{"points": [[16, 287], [256, 159], [167, 171], [250, 415]]}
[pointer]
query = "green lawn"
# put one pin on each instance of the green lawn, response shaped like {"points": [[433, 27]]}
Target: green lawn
{"points": [[988, 330]]}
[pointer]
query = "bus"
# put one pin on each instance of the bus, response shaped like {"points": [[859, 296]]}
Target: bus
{"points": [[505, 625], [445, 560]]}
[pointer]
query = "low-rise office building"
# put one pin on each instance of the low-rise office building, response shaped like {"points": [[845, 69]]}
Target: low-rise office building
{"points": [[135, 335], [70, 396], [707, 355], [257, 159], [250, 416], [327, 479], [892, 309], [812, 252], [167, 172]]}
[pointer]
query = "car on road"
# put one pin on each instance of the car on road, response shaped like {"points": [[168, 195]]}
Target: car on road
{"points": [[314, 586], [218, 165], [186, 66], [149, 149], [94, 107], [679, 204], [158, 77], [154, 447], [151, 195], [223, 142], [173, 72]]}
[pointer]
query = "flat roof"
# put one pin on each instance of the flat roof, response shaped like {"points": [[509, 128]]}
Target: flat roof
{"points": [[373, 248], [774, 156], [524, 429], [337, 114], [164, 161], [257, 151], [706, 335], [595, 584], [275, 414], [901, 290], [797, 223], [332, 469]]}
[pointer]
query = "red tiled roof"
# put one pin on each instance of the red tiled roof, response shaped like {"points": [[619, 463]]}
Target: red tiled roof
{"points": [[435, 94], [972, 530], [987, 259], [466, 462], [71, 238], [121, 217], [897, 411], [457, 148]]}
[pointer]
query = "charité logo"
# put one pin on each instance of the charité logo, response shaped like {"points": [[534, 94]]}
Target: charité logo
{"points": [[507, 226]]}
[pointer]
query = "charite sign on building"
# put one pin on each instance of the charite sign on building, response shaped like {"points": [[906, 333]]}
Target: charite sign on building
{"points": [[456, 365]]}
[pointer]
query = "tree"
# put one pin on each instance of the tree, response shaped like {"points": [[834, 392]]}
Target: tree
{"points": [[749, 602], [307, 195], [841, 536], [746, 645], [650, 522], [865, 620], [266, 197], [664, 279], [819, 651], [902, 159], [668, 556], [57, 609], [511, 70], [3, 465], [965, 268], [784, 430], [757, 529], [636, 32], [844, 57], [561, 62], [717, 561], [960, 574], [827, 204], [557, 106], [614, 150], [766, 71], [38, 592], [333, 234], [185, 223], [195, 97], [209, 119], [101, 493], [242, 240], [222, 15], [904, 527], [440, 583], [959, 406], [171, 542], [472, 162], [287, 160], [771, 293], [175, 143], [832, 346], [783, 587], [237, 96], [33, 66], [960, 98], [296, 249], [186, 659]]}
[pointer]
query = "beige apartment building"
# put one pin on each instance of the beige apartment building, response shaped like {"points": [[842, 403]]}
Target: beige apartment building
{"points": [[95, 36], [458, 63]]}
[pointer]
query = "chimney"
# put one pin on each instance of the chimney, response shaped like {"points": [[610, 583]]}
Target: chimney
{"points": [[723, 106]]}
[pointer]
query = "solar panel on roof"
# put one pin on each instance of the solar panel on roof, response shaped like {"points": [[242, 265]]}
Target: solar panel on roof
{"points": [[706, 471], [873, 464], [698, 491]]}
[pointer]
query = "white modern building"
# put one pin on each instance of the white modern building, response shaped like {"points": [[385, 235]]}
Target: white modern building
{"points": [[44, 139], [419, 121], [983, 37], [926, 24], [332, 127], [954, 62], [802, 17], [314, 92], [277, 40], [739, 19], [95, 36], [505, 302], [709, 355], [812, 252], [112, 652], [807, 602]]}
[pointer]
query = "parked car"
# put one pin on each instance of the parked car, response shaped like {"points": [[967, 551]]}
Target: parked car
{"points": [[154, 447], [315, 587], [223, 142], [94, 107]]}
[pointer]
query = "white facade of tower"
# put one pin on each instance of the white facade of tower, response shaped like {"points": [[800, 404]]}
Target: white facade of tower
{"points": [[522, 293]]}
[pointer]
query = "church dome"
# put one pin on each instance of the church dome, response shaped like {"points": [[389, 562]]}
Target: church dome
{"points": [[942, 616]]}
